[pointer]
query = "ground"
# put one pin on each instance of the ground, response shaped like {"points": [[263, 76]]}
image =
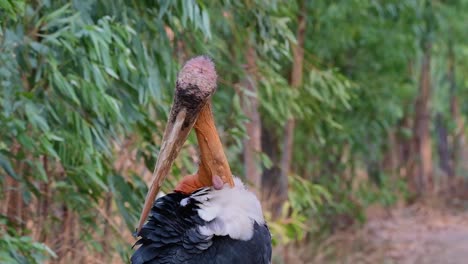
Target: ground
{"points": [[420, 235], [429, 233]]}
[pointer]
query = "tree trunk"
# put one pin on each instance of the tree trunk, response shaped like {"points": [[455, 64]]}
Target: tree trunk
{"points": [[296, 82], [271, 176], [442, 146], [421, 178], [65, 245], [44, 202], [458, 137], [252, 145], [106, 244], [390, 160], [12, 201], [405, 159]]}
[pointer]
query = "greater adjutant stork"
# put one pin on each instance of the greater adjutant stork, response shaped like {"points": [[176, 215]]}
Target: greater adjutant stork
{"points": [[210, 217]]}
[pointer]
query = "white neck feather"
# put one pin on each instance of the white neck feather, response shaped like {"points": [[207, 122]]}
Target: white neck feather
{"points": [[229, 211]]}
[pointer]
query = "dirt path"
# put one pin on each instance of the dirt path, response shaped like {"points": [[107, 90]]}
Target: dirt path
{"points": [[418, 235]]}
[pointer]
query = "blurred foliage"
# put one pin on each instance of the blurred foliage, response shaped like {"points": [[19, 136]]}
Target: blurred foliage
{"points": [[299, 213], [21, 249], [82, 80]]}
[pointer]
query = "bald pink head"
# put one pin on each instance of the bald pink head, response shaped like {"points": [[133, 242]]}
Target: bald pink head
{"points": [[199, 71]]}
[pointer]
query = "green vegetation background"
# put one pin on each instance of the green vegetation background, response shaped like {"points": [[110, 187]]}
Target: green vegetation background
{"points": [[86, 87]]}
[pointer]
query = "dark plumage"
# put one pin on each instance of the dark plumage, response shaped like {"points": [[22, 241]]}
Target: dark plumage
{"points": [[172, 235]]}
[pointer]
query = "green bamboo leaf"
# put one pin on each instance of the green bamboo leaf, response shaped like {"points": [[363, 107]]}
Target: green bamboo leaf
{"points": [[6, 166], [111, 72]]}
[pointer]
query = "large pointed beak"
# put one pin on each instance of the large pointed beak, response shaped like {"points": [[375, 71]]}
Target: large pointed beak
{"points": [[196, 82], [214, 169]]}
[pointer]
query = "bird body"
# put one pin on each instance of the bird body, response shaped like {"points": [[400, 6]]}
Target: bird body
{"points": [[210, 217], [207, 226]]}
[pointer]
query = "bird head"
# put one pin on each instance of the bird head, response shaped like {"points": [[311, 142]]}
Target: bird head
{"points": [[191, 108]]}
